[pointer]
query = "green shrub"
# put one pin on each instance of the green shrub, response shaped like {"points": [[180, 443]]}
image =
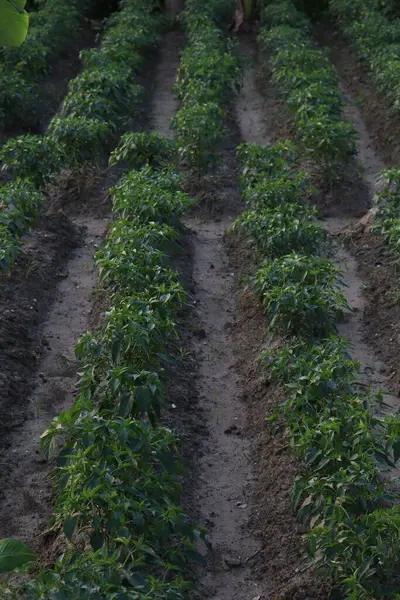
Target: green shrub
{"points": [[150, 196], [277, 231], [80, 139], [309, 84], [105, 95], [20, 203], [143, 149], [199, 129], [32, 157], [301, 294]]}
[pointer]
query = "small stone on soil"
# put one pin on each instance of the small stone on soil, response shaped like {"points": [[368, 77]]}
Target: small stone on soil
{"points": [[231, 562]]}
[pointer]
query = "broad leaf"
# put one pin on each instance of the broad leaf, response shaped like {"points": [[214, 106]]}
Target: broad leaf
{"points": [[14, 554], [14, 22], [142, 398], [69, 526]]}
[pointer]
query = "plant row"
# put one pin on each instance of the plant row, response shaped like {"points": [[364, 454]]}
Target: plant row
{"points": [[100, 101], [376, 41], [208, 73], [354, 533], [50, 33], [117, 496], [309, 85]]}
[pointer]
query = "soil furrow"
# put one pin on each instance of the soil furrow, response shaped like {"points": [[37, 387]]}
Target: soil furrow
{"points": [[164, 103], [26, 499], [226, 466]]}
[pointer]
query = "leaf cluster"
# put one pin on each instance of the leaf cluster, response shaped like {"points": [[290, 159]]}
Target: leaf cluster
{"points": [[208, 74], [309, 84]]}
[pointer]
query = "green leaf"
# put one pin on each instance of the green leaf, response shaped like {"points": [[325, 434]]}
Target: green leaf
{"points": [[396, 451], [142, 398], [125, 404], [96, 540], [14, 554], [69, 526], [14, 22]]}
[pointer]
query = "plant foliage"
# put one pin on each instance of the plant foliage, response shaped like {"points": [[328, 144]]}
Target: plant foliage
{"points": [[354, 526], [309, 84]]}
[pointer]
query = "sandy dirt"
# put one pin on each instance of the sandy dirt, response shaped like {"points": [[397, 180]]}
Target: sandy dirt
{"points": [[25, 504]]}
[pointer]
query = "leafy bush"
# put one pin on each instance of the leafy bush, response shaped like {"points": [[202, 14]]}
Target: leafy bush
{"points": [[269, 193], [102, 94], [18, 101], [284, 13], [20, 203], [208, 75], [143, 149], [199, 129], [80, 139], [258, 162], [301, 293], [32, 157], [276, 231], [151, 195], [309, 84]]}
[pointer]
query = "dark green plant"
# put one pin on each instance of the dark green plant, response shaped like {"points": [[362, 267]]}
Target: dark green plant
{"points": [[277, 231], [150, 195], [301, 294], [138, 150], [106, 95], [258, 161], [208, 75], [80, 139], [20, 203], [199, 128], [309, 84], [32, 157]]}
